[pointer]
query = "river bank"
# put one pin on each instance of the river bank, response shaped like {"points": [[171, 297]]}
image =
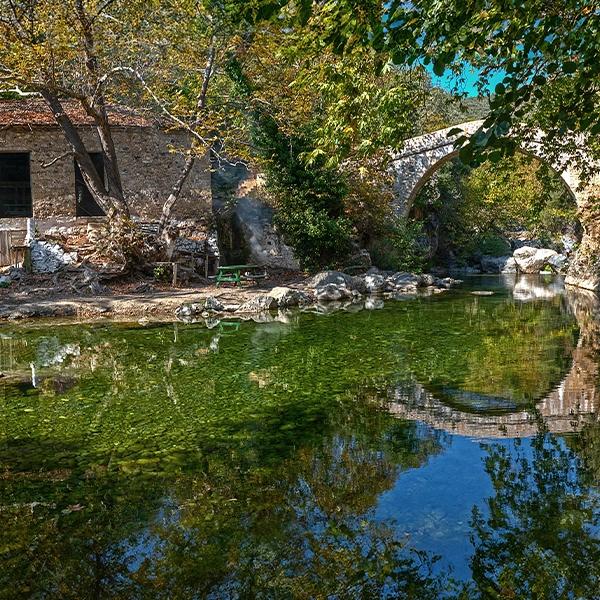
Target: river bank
{"points": [[145, 301]]}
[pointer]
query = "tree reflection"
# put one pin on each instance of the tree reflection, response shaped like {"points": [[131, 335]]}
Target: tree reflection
{"points": [[540, 539], [297, 529], [236, 522]]}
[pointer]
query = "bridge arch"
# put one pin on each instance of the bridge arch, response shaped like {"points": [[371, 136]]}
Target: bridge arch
{"points": [[423, 155]]}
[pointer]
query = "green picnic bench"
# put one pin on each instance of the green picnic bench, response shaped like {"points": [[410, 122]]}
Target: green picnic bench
{"points": [[233, 274]]}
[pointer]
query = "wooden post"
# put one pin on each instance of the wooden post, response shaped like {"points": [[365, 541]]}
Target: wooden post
{"points": [[175, 273], [30, 235]]}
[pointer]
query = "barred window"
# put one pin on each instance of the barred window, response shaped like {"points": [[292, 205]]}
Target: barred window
{"points": [[15, 185], [86, 206]]}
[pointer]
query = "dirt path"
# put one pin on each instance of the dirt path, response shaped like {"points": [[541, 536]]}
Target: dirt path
{"points": [[32, 304]]}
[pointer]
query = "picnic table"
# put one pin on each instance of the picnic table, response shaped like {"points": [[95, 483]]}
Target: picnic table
{"points": [[235, 273]]}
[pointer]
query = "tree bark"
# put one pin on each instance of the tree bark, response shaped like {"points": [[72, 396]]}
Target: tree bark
{"points": [[175, 192], [95, 106], [112, 206]]}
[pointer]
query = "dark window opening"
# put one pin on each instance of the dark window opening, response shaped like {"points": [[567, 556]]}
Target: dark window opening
{"points": [[86, 205], [15, 185]]}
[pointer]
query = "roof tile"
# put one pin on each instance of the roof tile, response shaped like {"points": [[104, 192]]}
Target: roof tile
{"points": [[35, 112]]}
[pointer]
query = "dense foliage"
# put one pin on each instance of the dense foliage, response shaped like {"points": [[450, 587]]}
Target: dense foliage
{"points": [[343, 83], [469, 212]]}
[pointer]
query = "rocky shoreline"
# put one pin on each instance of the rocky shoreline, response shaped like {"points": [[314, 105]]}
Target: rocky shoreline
{"points": [[324, 292]]}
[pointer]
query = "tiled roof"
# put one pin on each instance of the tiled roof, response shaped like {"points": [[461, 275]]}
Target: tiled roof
{"points": [[35, 112]]}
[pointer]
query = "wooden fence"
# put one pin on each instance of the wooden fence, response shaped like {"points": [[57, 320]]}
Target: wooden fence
{"points": [[8, 239]]}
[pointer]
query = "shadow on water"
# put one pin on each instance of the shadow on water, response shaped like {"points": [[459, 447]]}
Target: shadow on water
{"points": [[442, 447]]}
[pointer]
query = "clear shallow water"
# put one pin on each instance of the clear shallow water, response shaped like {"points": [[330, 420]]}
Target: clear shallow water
{"points": [[436, 447]]}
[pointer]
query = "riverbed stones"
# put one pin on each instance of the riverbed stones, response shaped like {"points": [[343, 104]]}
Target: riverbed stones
{"points": [[333, 290], [532, 260]]}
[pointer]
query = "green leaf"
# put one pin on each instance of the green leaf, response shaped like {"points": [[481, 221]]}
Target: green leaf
{"points": [[438, 67], [466, 154]]}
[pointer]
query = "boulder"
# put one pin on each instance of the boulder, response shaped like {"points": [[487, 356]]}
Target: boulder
{"points": [[532, 260], [285, 297], [447, 282], [498, 264], [426, 279], [327, 277], [332, 292], [5, 281], [358, 284], [47, 257], [559, 263], [258, 304], [404, 279], [510, 266], [375, 283], [338, 278], [187, 311], [213, 304]]}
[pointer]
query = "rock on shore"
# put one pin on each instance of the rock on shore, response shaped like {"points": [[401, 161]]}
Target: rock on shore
{"points": [[328, 288]]}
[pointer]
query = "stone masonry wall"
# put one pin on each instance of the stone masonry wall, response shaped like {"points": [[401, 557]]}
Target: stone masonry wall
{"points": [[147, 160]]}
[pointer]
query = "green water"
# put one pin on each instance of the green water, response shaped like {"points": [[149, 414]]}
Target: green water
{"points": [[439, 447]]}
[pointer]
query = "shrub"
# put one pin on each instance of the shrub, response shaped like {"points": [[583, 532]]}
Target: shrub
{"points": [[401, 247]]}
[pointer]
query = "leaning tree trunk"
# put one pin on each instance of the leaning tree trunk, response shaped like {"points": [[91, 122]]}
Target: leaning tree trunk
{"points": [[175, 193], [112, 204], [189, 163]]}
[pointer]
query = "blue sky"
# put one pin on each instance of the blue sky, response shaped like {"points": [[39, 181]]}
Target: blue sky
{"points": [[447, 81]]}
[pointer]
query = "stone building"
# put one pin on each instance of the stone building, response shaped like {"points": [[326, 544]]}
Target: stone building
{"points": [[39, 177]]}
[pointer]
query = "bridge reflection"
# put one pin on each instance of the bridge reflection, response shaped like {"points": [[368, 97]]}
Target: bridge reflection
{"points": [[573, 403]]}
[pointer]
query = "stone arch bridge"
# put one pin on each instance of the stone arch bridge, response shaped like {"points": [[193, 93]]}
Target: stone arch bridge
{"points": [[423, 155]]}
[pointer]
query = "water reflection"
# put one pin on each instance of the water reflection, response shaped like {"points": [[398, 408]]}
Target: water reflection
{"points": [[154, 462]]}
